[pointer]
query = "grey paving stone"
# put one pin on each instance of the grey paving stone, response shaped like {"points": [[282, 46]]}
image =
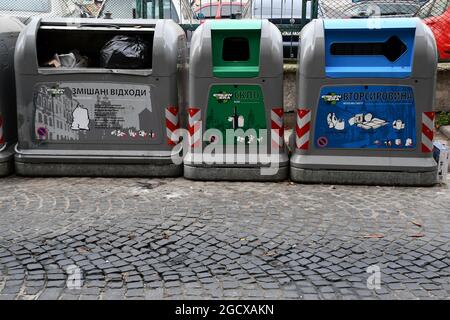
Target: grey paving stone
{"points": [[50, 294], [113, 294], [135, 285], [235, 239]]}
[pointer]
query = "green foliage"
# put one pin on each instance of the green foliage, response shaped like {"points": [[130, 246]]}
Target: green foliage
{"points": [[442, 119]]}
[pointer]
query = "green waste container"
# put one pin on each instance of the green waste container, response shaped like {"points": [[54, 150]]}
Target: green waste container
{"points": [[235, 115]]}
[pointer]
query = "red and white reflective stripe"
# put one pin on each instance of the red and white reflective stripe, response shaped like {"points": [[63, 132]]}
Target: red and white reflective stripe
{"points": [[302, 129], [172, 125], [195, 127], [2, 139], [427, 131], [277, 128]]}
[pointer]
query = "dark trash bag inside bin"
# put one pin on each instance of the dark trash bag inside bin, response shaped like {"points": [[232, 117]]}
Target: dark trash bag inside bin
{"points": [[126, 52]]}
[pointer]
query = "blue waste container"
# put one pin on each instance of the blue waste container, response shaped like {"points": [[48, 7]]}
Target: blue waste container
{"points": [[366, 90]]}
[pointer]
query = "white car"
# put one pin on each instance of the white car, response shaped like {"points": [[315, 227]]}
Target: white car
{"points": [[25, 9]]}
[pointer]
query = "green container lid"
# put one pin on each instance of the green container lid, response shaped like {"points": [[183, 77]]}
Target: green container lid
{"points": [[236, 48]]}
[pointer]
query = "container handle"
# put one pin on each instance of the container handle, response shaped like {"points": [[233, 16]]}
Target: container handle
{"points": [[83, 25]]}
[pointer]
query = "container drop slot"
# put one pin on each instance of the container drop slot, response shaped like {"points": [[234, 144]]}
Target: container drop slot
{"points": [[89, 43], [236, 49], [392, 49]]}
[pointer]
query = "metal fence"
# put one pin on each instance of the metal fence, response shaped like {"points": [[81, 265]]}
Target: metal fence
{"points": [[289, 15]]}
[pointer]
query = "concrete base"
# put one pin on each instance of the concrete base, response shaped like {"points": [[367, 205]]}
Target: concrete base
{"points": [[381, 178], [7, 161], [204, 173], [92, 167]]}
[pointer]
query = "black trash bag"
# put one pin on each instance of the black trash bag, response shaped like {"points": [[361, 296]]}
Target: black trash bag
{"points": [[126, 52]]}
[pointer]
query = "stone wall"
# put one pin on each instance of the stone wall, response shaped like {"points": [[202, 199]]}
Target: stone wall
{"points": [[443, 88], [290, 91]]}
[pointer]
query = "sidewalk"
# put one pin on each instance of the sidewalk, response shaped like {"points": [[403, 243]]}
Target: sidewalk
{"points": [[176, 239]]}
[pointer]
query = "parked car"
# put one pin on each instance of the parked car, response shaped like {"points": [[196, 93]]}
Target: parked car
{"points": [[219, 10], [25, 9], [280, 12], [177, 10], [436, 14], [365, 9]]}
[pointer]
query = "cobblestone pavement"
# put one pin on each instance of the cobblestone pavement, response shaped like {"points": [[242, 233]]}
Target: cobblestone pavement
{"points": [[172, 238]]}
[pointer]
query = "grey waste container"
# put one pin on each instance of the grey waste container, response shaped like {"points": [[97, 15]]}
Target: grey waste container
{"points": [[113, 111], [9, 31], [236, 102], [365, 98]]}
